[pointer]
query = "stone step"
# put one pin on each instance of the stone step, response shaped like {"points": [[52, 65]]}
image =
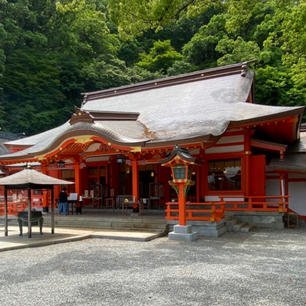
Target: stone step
{"points": [[234, 225], [146, 224], [237, 227], [246, 228], [230, 222]]}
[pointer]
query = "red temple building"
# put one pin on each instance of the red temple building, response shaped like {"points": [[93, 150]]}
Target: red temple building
{"points": [[252, 158]]}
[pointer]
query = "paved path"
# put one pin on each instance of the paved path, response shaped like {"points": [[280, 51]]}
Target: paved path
{"points": [[62, 235], [262, 268]]}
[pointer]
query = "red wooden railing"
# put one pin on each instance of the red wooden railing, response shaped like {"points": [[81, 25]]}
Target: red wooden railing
{"points": [[208, 211], [257, 203], [214, 210]]}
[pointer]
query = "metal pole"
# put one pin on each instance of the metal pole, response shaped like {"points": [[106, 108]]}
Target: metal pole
{"points": [[29, 213], [52, 210], [5, 212]]}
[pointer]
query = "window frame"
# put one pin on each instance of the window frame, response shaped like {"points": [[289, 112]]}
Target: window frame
{"points": [[225, 192]]}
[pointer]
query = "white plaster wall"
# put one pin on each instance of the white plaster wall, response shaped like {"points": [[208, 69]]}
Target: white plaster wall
{"points": [[212, 198], [217, 198], [296, 190], [272, 188], [297, 200]]}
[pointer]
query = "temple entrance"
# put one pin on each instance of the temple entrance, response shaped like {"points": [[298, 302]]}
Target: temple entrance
{"points": [[146, 177]]}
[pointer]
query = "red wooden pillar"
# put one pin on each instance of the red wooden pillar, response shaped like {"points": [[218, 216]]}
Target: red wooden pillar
{"points": [[198, 184], [164, 178], [204, 181], [182, 204], [135, 180], [247, 164], [77, 177], [44, 170]]}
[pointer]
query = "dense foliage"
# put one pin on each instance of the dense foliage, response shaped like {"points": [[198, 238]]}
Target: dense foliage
{"points": [[52, 51]]}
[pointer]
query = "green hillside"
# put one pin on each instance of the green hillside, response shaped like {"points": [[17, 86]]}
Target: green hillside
{"points": [[52, 51]]}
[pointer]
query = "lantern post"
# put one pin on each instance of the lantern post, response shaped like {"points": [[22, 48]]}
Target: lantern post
{"points": [[180, 162]]}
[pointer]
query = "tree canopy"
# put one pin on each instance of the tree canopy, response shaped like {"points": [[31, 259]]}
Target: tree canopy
{"points": [[52, 51]]}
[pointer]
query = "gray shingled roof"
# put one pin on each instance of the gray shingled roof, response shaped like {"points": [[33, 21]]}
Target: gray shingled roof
{"points": [[32, 140], [295, 159], [293, 162], [174, 113]]}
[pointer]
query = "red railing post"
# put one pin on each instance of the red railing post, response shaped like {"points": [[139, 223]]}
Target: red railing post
{"points": [[280, 205], [250, 204], [213, 213], [222, 209], [167, 210]]}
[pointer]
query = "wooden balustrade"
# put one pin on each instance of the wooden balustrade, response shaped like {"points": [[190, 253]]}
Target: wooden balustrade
{"points": [[208, 211], [257, 203], [214, 211]]}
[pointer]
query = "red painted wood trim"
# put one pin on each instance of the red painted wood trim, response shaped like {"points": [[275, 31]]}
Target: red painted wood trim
{"points": [[290, 180], [268, 146]]}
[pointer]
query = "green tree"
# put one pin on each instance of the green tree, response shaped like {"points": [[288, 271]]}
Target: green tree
{"points": [[133, 17], [236, 50], [160, 58], [201, 49]]}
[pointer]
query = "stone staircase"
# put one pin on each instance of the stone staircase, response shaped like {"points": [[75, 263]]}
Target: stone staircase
{"points": [[136, 223], [234, 225]]}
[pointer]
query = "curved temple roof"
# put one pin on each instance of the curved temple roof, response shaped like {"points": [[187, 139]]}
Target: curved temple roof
{"points": [[200, 105]]}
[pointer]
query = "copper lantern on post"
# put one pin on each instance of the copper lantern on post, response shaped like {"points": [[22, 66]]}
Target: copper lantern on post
{"points": [[180, 162]]}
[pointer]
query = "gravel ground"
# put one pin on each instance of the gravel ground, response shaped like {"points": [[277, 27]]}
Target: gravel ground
{"points": [[258, 268]]}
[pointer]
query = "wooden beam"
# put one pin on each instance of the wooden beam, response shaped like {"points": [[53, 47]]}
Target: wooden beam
{"points": [[268, 145]]}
